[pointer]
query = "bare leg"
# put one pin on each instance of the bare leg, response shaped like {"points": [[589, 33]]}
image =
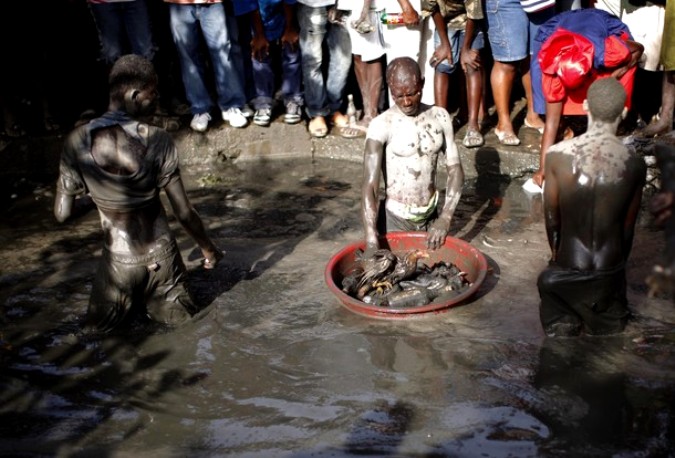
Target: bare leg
{"points": [[441, 83], [502, 78], [369, 78], [474, 95], [665, 122], [532, 119]]}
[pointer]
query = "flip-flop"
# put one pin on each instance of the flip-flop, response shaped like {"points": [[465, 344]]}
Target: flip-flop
{"points": [[507, 139], [473, 139], [317, 127], [353, 131], [527, 124]]}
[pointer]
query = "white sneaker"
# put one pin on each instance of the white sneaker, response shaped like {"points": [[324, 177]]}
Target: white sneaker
{"points": [[235, 117], [200, 122]]}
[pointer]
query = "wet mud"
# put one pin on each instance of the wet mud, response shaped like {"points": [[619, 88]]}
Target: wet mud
{"points": [[273, 365]]}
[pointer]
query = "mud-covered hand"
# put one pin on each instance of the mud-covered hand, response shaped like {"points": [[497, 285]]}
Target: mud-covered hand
{"points": [[538, 178], [437, 233]]}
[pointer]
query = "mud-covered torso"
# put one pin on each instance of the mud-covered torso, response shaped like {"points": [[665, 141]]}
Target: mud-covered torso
{"points": [[412, 145], [123, 164], [597, 179]]}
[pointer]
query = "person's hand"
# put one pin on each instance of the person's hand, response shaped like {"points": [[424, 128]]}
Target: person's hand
{"points": [[260, 48], [443, 52], [211, 258], [538, 178], [410, 16], [437, 233], [290, 38], [661, 206], [470, 60]]}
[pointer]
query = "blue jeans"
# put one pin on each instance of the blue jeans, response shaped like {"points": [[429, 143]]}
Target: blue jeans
{"points": [[122, 23], [265, 81], [187, 23], [323, 97]]}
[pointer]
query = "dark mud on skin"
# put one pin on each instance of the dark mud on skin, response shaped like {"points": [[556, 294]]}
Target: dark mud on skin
{"points": [[275, 366]]}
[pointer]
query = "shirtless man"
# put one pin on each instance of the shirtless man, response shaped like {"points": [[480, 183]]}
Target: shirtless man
{"points": [[403, 144], [123, 164], [591, 202]]}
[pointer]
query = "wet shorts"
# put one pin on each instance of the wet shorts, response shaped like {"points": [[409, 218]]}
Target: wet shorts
{"points": [[156, 284], [456, 37], [592, 300]]}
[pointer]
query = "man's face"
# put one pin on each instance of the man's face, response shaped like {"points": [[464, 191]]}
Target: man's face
{"points": [[148, 98], [407, 94]]}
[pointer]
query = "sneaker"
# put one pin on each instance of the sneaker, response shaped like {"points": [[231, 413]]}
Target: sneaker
{"points": [[293, 113], [247, 111], [235, 117], [262, 116], [200, 122]]}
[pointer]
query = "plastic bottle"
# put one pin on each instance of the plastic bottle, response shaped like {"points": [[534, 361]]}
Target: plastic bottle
{"points": [[391, 18]]}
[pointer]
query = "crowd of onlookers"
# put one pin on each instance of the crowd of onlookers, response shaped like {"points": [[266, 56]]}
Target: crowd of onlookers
{"points": [[251, 60]]}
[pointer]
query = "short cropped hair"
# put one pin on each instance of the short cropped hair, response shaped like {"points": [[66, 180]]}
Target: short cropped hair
{"points": [[130, 72], [606, 99], [403, 63]]}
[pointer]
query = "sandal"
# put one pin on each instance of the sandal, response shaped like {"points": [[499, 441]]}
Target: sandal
{"points": [[473, 139], [507, 139], [317, 127], [527, 124], [353, 131]]}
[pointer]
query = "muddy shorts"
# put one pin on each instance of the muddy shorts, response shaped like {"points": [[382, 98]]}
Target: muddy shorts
{"points": [[153, 284], [389, 222], [573, 299]]}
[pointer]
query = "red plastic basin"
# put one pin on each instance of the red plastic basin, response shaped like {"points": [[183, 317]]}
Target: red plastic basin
{"points": [[462, 254]]}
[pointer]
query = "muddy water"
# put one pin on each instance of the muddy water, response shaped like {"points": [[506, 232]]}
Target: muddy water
{"points": [[274, 366]]}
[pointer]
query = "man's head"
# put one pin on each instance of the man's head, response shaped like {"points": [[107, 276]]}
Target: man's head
{"points": [[133, 84], [405, 82], [606, 99]]}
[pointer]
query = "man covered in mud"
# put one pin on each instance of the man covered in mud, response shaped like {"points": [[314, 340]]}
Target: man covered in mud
{"points": [[123, 163], [591, 202], [403, 144]]}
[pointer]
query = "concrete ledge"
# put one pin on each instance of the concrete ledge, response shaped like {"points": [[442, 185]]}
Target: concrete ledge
{"points": [[36, 158]]}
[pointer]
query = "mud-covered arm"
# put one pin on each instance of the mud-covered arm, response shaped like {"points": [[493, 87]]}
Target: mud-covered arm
{"points": [[72, 199], [190, 220], [372, 163], [440, 228], [552, 208], [548, 138], [67, 206]]}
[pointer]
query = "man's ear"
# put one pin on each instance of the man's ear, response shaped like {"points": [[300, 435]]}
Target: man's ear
{"points": [[130, 100], [585, 105], [624, 113]]}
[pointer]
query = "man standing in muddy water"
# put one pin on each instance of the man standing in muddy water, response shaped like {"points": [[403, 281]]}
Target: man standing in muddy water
{"points": [[123, 164], [591, 202], [403, 144]]}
